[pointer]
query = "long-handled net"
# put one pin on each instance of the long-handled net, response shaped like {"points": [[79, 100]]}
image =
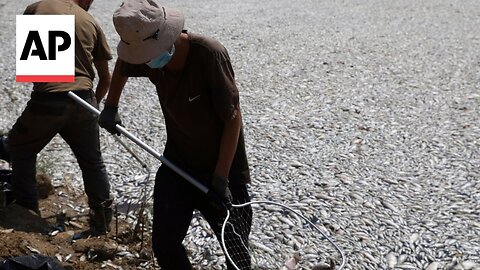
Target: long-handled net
{"points": [[280, 237], [283, 238]]}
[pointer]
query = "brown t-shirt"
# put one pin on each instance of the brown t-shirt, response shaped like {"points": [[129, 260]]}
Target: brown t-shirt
{"points": [[195, 103], [90, 44]]}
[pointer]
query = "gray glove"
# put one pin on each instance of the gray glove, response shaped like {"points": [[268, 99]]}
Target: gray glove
{"points": [[220, 187], [109, 118]]}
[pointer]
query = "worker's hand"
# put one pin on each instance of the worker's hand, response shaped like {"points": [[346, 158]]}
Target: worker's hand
{"points": [[220, 187], [109, 118]]}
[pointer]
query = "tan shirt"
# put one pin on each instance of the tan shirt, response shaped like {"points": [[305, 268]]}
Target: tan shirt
{"points": [[90, 44]]}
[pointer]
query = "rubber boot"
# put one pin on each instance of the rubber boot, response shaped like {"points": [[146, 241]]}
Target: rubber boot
{"points": [[6, 194], [99, 221], [101, 217]]}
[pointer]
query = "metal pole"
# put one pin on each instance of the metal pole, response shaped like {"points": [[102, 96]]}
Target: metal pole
{"points": [[143, 145]]}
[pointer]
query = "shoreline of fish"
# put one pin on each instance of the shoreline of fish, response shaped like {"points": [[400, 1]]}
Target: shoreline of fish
{"points": [[362, 116]]}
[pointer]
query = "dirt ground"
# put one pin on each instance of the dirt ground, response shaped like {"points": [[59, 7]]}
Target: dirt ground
{"points": [[23, 232]]}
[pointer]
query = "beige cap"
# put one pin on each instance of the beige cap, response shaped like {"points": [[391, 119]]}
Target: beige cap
{"points": [[146, 28]]}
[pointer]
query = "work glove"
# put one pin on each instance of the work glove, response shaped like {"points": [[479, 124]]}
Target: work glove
{"points": [[109, 118], [221, 193]]}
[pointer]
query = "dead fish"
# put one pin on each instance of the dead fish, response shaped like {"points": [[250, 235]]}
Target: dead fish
{"points": [[324, 266], [391, 260], [291, 263]]}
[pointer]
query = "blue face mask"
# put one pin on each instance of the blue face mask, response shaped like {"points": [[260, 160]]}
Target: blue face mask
{"points": [[161, 60]]}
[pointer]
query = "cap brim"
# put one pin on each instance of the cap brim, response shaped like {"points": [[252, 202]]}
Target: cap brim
{"points": [[145, 51]]}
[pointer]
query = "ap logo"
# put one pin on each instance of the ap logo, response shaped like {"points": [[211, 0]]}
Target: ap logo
{"points": [[45, 48]]}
